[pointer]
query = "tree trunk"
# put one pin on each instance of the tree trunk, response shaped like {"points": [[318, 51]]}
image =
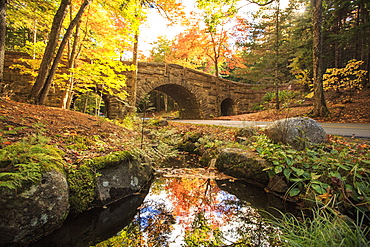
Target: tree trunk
{"points": [[34, 38], [277, 47], [49, 51], [134, 72], [45, 90], [215, 55], [72, 57], [2, 39], [217, 73], [320, 109], [165, 102]]}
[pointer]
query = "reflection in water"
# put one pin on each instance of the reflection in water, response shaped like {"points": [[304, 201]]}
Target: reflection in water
{"points": [[93, 226], [190, 211]]}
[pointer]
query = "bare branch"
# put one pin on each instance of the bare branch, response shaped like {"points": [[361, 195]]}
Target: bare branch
{"points": [[261, 2]]}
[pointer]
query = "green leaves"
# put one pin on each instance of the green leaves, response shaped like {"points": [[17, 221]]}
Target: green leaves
{"points": [[298, 172], [105, 75], [319, 187], [335, 167], [23, 163], [294, 192]]}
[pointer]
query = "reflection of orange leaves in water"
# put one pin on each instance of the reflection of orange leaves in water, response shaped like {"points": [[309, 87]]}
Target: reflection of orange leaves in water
{"points": [[190, 196]]}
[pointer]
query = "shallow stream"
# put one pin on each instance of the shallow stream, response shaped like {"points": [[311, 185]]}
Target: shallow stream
{"points": [[183, 207]]}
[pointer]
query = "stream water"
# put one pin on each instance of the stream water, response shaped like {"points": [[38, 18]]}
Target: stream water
{"points": [[182, 207]]}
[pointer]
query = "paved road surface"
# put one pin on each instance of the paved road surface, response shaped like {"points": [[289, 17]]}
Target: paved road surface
{"points": [[343, 129]]}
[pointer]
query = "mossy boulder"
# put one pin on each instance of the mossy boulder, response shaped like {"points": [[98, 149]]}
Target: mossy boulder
{"points": [[106, 179], [246, 132], [121, 180], [189, 140], [35, 212], [33, 191], [243, 164]]}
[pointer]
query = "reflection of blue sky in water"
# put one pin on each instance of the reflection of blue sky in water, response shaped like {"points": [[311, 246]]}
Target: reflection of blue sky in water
{"points": [[172, 204]]}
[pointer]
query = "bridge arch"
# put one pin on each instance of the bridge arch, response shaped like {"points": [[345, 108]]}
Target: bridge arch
{"points": [[189, 102], [227, 107]]}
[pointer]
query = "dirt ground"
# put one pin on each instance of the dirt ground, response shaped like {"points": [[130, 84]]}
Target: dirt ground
{"points": [[62, 128], [57, 121]]}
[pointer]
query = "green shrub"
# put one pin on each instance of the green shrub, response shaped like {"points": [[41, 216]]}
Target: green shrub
{"points": [[257, 107], [335, 173], [284, 95]]}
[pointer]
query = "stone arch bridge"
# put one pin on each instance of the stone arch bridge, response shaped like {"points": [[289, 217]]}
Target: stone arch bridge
{"points": [[198, 95]]}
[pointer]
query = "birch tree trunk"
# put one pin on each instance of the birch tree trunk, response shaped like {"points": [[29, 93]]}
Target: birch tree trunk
{"points": [[72, 57], [134, 72]]}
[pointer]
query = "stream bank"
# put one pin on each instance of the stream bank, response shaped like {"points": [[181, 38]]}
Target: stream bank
{"points": [[181, 205]]}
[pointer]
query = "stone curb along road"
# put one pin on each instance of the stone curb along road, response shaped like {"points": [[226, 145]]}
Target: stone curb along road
{"points": [[343, 129]]}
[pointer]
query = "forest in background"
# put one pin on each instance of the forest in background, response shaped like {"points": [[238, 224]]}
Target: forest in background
{"points": [[93, 35], [272, 45]]}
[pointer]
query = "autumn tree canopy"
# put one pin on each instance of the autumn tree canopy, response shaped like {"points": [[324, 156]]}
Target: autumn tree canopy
{"points": [[219, 37], [86, 30]]}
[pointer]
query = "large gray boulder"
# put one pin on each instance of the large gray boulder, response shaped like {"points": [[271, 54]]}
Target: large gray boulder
{"points": [[35, 212], [297, 132], [118, 181]]}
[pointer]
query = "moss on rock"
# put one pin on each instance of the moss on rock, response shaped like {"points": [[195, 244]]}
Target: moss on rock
{"points": [[82, 183], [22, 164]]}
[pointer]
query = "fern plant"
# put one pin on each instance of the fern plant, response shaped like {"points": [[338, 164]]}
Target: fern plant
{"points": [[22, 164]]}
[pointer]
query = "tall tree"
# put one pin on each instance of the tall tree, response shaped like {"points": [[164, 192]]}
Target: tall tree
{"points": [[189, 49], [2, 39], [168, 8], [216, 15], [320, 108], [346, 32], [135, 10], [161, 50], [267, 46], [73, 53], [29, 21], [41, 97], [47, 59]]}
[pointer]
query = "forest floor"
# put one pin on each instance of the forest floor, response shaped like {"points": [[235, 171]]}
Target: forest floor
{"points": [[83, 136], [80, 136], [20, 119]]}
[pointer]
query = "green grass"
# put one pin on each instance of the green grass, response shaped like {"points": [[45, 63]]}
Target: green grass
{"points": [[324, 228]]}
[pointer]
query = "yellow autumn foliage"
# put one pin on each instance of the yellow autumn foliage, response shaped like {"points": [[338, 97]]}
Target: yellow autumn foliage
{"points": [[349, 78]]}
